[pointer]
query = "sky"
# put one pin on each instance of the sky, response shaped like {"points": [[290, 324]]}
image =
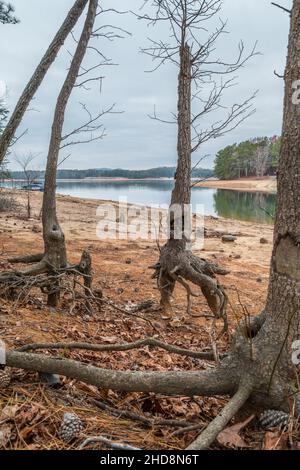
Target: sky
{"points": [[133, 140]]}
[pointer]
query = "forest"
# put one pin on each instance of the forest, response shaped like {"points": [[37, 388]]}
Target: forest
{"points": [[155, 343], [255, 157]]}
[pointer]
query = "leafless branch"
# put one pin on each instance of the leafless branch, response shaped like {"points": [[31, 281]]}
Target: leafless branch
{"points": [[91, 126], [281, 7], [187, 24]]}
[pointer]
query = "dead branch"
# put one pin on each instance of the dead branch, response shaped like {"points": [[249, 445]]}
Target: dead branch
{"points": [[187, 429], [281, 7], [107, 442]]}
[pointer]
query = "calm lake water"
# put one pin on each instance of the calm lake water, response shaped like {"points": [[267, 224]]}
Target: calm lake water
{"points": [[247, 206], [218, 202]]}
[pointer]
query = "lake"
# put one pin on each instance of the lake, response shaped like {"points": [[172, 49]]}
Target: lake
{"points": [[241, 205]]}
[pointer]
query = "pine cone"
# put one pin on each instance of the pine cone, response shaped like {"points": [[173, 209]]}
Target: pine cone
{"points": [[4, 379], [70, 427], [274, 419]]}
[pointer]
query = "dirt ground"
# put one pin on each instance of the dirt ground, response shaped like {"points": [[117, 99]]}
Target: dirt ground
{"points": [[121, 270]]}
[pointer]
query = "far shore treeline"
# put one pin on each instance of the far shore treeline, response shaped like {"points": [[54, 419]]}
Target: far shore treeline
{"points": [[256, 157], [162, 172]]}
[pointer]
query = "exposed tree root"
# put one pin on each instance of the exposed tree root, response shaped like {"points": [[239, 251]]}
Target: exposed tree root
{"points": [[218, 381], [179, 265], [208, 436], [27, 259], [121, 347], [16, 284]]}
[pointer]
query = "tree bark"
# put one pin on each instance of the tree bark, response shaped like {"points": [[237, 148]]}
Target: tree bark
{"points": [[54, 240], [282, 325], [176, 260], [38, 76], [213, 382], [182, 190]]}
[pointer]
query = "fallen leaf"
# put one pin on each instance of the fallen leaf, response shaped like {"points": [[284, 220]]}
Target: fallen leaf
{"points": [[230, 437], [109, 339], [275, 440], [8, 412], [5, 434]]}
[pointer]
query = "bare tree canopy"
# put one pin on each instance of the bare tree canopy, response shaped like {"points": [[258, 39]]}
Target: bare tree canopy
{"points": [[194, 30], [8, 135]]}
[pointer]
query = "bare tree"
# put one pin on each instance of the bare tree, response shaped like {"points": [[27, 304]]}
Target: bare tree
{"points": [[54, 257], [30, 176], [261, 157], [7, 138], [53, 260], [199, 69]]}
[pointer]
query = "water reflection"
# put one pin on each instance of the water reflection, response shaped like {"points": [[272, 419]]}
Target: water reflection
{"points": [[248, 206], [241, 205]]}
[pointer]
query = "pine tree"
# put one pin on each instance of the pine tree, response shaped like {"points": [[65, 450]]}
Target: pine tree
{"points": [[7, 14]]}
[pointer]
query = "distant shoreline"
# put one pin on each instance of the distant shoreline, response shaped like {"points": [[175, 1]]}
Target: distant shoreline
{"points": [[264, 185]]}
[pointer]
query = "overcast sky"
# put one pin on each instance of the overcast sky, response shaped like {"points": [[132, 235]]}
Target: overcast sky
{"points": [[133, 140]]}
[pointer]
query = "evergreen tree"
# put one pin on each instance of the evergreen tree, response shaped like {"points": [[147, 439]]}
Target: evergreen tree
{"points": [[7, 14], [255, 157]]}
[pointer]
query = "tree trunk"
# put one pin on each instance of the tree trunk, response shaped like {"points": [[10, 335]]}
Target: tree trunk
{"points": [[54, 240], [38, 76], [176, 261], [182, 190], [282, 326]]}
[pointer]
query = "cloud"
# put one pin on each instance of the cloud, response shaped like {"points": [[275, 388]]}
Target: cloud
{"points": [[133, 140]]}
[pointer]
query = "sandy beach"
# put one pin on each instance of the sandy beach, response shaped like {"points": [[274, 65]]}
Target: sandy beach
{"points": [[268, 185]]}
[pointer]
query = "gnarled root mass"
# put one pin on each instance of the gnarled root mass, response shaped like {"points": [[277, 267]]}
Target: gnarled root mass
{"points": [[17, 284], [177, 264]]}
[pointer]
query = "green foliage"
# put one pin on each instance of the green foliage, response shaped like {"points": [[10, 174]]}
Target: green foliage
{"points": [[163, 172], [255, 157], [6, 14], [246, 206]]}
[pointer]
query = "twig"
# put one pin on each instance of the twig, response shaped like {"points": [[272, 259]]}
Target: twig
{"points": [[137, 417], [187, 429], [281, 7], [107, 442]]}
